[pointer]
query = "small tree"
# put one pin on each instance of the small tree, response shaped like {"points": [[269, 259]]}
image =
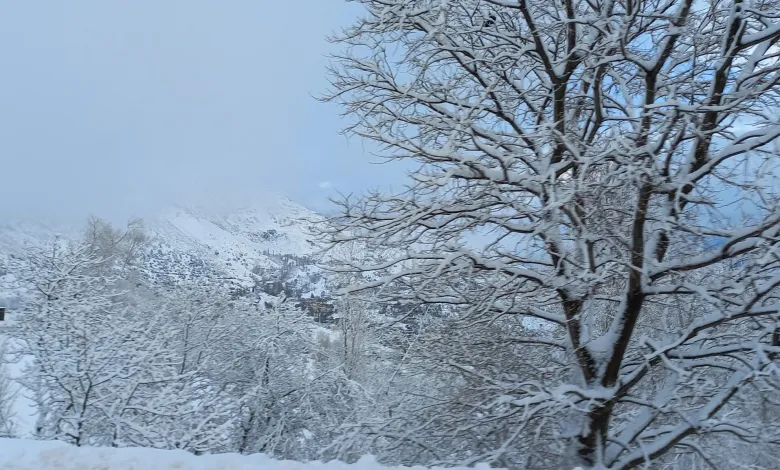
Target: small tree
{"points": [[9, 390], [108, 361], [291, 398], [74, 330], [578, 165]]}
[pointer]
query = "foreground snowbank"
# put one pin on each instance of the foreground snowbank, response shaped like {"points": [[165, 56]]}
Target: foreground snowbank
{"points": [[23, 454]]}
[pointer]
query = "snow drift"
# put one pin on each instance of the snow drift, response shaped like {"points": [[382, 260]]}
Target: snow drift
{"points": [[22, 454]]}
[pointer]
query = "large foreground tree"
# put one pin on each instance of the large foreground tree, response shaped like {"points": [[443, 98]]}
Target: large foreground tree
{"points": [[606, 169]]}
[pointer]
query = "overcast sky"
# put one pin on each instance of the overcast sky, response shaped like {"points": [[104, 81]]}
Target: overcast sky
{"points": [[115, 108]]}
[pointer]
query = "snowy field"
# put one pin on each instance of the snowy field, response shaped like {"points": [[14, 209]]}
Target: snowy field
{"points": [[23, 454]]}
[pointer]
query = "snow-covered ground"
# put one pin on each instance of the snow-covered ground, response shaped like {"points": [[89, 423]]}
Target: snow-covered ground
{"points": [[22, 454]]}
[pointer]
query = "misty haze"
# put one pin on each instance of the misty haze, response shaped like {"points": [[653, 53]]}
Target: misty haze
{"points": [[379, 234]]}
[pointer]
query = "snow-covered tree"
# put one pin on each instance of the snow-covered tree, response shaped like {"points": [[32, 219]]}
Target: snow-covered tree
{"points": [[596, 203], [102, 366], [8, 393], [292, 393], [355, 315], [69, 327]]}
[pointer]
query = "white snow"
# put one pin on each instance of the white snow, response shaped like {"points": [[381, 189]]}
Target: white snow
{"points": [[238, 229], [22, 454]]}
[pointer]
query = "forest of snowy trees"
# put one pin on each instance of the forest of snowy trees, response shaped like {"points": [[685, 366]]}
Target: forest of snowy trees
{"points": [[111, 360], [582, 270]]}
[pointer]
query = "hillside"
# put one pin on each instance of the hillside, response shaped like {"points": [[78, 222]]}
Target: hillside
{"points": [[265, 248]]}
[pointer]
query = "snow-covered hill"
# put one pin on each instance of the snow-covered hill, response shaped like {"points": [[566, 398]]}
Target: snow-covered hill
{"points": [[15, 236], [280, 228], [266, 242], [264, 247]]}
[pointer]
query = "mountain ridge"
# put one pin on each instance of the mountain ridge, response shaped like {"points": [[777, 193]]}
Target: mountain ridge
{"points": [[261, 246]]}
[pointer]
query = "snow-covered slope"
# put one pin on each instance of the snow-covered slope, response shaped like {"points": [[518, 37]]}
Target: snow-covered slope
{"points": [[245, 247], [16, 454], [15, 234], [279, 227], [266, 248], [189, 242]]}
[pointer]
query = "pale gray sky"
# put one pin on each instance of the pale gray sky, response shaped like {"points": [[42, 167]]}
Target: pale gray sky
{"points": [[117, 107]]}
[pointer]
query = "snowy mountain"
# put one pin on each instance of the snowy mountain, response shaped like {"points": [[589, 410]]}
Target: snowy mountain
{"points": [[245, 247], [264, 247], [16, 234]]}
